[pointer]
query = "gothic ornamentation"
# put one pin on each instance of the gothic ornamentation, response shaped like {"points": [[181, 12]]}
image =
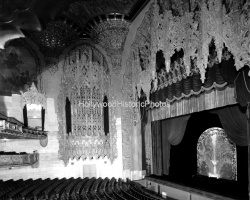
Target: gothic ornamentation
{"points": [[137, 77], [178, 72], [111, 35], [127, 119], [85, 81], [32, 96], [143, 72], [227, 24], [116, 61], [236, 28], [172, 33]]}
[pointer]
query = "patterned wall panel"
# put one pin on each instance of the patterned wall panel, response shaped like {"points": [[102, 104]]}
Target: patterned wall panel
{"points": [[216, 155]]}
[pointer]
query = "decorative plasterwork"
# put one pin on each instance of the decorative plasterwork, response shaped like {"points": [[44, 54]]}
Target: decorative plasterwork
{"points": [[178, 72], [12, 159], [236, 28], [53, 40], [227, 24], [82, 12], [143, 72], [170, 33], [85, 76], [111, 35], [32, 96], [10, 130], [127, 120]]}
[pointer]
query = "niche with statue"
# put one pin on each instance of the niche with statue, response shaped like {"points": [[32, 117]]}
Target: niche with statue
{"points": [[216, 155]]}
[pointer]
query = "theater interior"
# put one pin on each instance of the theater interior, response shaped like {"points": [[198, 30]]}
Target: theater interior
{"points": [[125, 99]]}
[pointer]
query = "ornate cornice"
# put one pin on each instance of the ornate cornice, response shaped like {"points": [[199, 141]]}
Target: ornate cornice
{"points": [[32, 96]]}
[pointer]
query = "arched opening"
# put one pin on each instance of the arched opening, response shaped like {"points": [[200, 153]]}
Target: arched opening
{"points": [[216, 155]]}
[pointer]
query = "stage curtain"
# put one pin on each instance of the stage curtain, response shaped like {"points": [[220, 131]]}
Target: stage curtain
{"points": [[166, 146], [157, 147], [239, 78], [242, 84], [234, 121], [172, 133]]}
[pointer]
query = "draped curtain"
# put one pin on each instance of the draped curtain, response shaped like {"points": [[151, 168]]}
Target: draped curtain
{"points": [[164, 134], [157, 147], [240, 79], [234, 122]]}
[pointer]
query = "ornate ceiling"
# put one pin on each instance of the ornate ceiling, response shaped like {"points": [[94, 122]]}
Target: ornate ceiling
{"points": [[83, 11], [54, 25]]}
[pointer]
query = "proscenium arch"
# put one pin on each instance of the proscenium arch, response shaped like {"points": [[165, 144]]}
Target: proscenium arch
{"points": [[65, 140]]}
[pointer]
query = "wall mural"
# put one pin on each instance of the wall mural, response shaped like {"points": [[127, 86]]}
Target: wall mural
{"points": [[17, 70], [216, 155]]}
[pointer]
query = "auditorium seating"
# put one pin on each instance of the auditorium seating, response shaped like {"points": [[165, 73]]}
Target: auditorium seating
{"points": [[74, 189]]}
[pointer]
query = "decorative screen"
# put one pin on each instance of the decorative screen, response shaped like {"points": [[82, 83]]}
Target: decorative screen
{"points": [[87, 115], [216, 155], [85, 83]]}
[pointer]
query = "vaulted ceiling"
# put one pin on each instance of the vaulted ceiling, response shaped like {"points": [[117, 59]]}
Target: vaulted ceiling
{"points": [[27, 17], [55, 24]]}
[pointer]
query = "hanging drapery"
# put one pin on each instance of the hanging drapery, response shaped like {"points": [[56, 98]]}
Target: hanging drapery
{"points": [[205, 101], [242, 84], [234, 122], [240, 79], [148, 144], [175, 85], [176, 129], [172, 133], [166, 146], [164, 134], [157, 147]]}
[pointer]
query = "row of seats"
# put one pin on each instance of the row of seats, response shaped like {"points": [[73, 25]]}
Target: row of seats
{"points": [[74, 189]]}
